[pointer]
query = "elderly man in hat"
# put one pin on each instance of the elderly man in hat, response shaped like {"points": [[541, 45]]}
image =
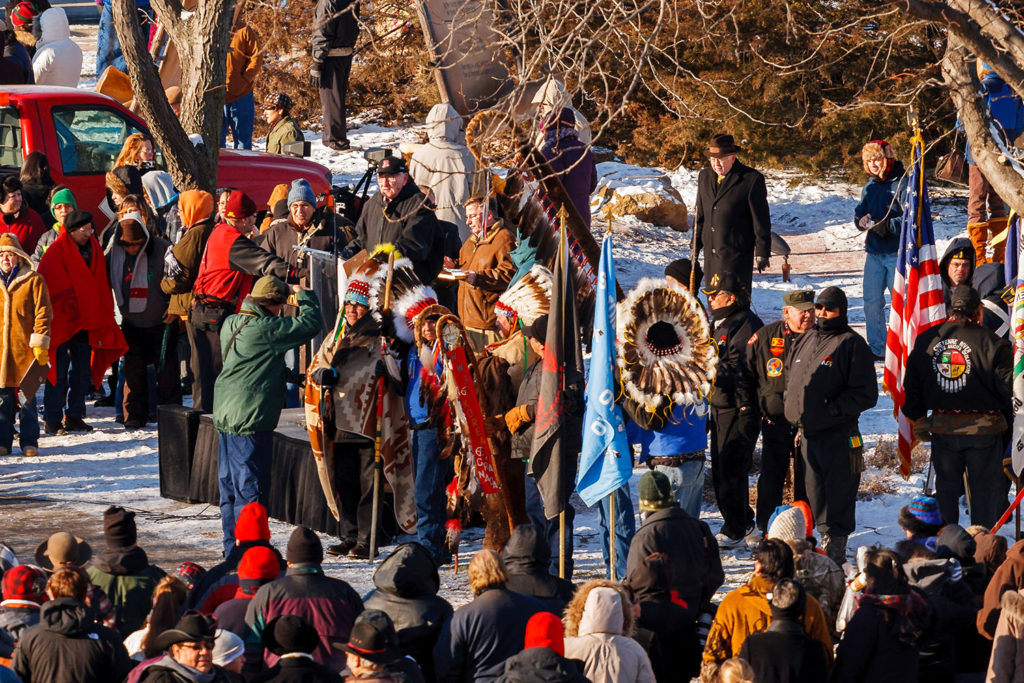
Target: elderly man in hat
{"points": [[372, 651], [768, 356], [962, 372], [399, 214], [691, 548], [830, 383], [247, 395], [230, 264], [732, 223], [189, 648], [734, 414]]}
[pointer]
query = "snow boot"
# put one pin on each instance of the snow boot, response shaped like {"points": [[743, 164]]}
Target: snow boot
{"points": [[834, 546]]}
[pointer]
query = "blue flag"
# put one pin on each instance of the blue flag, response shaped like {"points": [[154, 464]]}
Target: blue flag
{"points": [[605, 462]]}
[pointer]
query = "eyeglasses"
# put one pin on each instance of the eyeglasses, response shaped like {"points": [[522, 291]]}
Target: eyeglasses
{"points": [[85, 228], [825, 307], [199, 645]]}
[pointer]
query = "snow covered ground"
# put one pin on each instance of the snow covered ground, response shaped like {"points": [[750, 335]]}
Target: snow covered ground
{"points": [[76, 477]]}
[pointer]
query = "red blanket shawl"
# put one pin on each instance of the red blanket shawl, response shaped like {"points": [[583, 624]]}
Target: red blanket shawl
{"points": [[81, 300]]}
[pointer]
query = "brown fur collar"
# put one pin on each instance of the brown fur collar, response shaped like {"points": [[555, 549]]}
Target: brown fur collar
{"points": [[1012, 603]]}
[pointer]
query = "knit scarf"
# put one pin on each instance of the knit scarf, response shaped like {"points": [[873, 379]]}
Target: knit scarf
{"points": [[137, 275], [906, 615]]}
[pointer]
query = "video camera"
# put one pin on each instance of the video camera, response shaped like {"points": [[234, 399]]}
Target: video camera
{"points": [[349, 200]]}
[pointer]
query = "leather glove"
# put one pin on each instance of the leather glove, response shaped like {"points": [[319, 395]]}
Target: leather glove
{"points": [[42, 355], [380, 370], [314, 76], [387, 324], [471, 279], [325, 377], [762, 263], [881, 228], [516, 418]]}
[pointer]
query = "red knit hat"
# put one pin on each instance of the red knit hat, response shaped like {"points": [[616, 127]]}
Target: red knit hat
{"points": [[23, 14], [259, 562], [24, 582], [239, 205], [252, 524], [544, 629]]}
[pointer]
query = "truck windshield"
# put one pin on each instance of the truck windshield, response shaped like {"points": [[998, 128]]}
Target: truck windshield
{"points": [[90, 138], [10, 137]]}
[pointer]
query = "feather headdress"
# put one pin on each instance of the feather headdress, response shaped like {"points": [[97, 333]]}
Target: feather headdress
{"points": [[529, 298], [666, 355]]}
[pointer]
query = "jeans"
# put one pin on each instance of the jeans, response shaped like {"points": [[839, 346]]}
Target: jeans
{"points": [[243, 472], [240, 117], [432, 474], [28, 420], [625, 527], [549, 527], [73, 380], [108, 49], [687, 483], [879, 272]]}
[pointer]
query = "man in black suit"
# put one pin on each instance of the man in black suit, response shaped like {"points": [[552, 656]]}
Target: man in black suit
{"points": [[733, 223]]}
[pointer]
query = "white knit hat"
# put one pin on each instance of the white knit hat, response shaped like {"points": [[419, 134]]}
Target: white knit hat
{"points": [[788, 525], [227, 647]]}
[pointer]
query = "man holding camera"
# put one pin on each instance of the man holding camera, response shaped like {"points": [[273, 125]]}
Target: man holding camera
{"points": [[400, 215]]}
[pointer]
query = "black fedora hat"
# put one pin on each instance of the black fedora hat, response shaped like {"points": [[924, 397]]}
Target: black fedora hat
{"points": [[722, 145], [372, 638], [191, 627], [290, 633]]}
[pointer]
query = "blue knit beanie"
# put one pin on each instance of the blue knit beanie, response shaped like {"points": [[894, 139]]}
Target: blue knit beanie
{"points": [[301, 192]]}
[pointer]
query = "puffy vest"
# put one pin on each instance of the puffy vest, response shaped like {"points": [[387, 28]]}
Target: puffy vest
{"points": [[217, 281]]}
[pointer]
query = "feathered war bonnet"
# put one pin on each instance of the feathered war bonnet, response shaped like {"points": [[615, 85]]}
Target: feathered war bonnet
{"points": [[528, 298], [666, 355]]}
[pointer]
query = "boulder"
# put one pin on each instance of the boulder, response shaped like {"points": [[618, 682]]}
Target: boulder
{"points": [[644, 193]]}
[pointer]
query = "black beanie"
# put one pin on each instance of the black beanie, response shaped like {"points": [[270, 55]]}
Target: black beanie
{"points": [[119, 527], [833, 296], [304, 547], [77, 219], [680, 270]]}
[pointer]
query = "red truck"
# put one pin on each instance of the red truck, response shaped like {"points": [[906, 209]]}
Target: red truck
{"points": [[81, 133]]}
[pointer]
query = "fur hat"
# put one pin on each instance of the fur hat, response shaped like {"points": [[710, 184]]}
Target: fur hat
{"points": [[9, 242], [657, 376], [878, 149], [528, 298]]}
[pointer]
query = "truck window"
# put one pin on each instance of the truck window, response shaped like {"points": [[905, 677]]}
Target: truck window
{"points": [[10, 137], [90, 138]]}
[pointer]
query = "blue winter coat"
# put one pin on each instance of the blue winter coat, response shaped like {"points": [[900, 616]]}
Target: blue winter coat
{"points": [[881, 198], [683, 433], [1004, 106]]}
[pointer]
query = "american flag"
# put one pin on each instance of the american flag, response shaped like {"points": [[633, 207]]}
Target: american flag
{"points": [[917, 301]]}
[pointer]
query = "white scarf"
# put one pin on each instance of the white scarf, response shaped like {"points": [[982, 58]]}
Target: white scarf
{"points": [[138, 288]]}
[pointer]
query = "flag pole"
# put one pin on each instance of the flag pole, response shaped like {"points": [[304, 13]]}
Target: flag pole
{"points": [[378, 442], [561, 544], [562, 252], [610, 213]]}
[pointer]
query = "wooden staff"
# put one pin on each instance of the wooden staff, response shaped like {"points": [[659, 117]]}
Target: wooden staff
{"points": [[378, 465]]}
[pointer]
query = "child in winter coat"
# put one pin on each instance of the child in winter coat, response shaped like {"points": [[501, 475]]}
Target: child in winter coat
{"points": [[58, 59]]}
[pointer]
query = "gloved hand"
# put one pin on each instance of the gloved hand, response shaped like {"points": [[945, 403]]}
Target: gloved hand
{"points": [[762, 263], [922, 429], [387, 324], [42, 355], [314, 76], [471, 279], [380, 370], [881, 228], [325, 377], [516, 418]]}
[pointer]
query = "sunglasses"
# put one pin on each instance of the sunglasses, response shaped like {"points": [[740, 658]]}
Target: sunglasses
{"points": [[199, 645], [825, 307]]}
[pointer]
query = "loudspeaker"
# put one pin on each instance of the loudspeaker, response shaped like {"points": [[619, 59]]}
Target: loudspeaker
{"points": [[177, 427]]}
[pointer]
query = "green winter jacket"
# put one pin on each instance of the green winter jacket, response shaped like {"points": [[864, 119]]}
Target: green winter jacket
{"points": [[284, 131], [128, 579], [249, 392]]}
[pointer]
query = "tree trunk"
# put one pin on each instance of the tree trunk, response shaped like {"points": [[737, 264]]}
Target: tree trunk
{"points": [[1005, 175], [201, 39]]}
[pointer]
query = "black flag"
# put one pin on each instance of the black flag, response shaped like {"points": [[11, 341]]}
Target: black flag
{"points": [[555, 438]]}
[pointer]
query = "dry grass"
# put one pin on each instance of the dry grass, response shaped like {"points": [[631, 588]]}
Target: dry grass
{"points": [[875, 484], [884, 456]]}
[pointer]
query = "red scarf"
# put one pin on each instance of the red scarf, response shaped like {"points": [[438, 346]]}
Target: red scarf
{"points": [[81, 300]]}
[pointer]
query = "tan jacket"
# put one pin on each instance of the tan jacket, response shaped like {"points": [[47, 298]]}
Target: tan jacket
{"points": [[244, 63], [1007, 662], [490, 259], [26, 316], [517, 352], [745, 611]]}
